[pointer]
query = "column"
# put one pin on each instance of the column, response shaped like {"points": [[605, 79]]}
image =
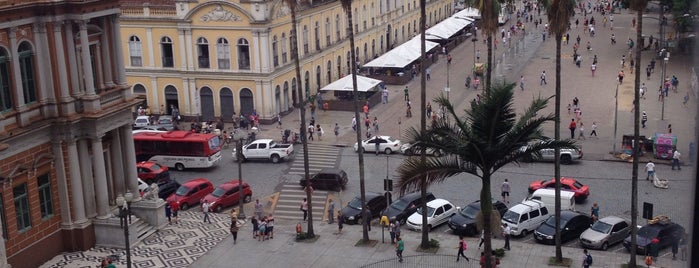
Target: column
{"points": [[16, 73], [149, 39], [117, 162], [100, 178], [76, 185], [45, 77], [88, 188], [188, 45], [106, 56], [61, 61], [118, 49], [61, 183], [129, 154], [89, 80], [181, 45], [98, 67], [194, 97], [73, 61], [155, 103], [188, 104]]}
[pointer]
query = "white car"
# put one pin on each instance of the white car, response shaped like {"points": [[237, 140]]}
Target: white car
{"points": [[141, 121], [387, 144], [414, 149], [438, 211]]}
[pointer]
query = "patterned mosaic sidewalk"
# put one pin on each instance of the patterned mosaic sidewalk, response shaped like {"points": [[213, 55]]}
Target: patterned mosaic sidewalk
{"points": [[176, 245]]}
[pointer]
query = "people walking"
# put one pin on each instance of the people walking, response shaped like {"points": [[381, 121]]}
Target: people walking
{"points": [[650, 168], [337, 131], [587, 259], [205, 208], [354, 123], [270, 226], [258, 209], [676, 160], [319, 131], [311, 129], [168, 213], [255, 227], [234, 229], [505, 192], [406, 94], [594, 211], [594, 129], [462, 247], [572, 126], [331, 211], [304, 209], [644, 119], [482, 239], [396, 228], [581, 135], [506, 234], [175, 209], [340, 222], [521, 82], [367, 218], [384, 95], [593, 67], [399, 249], [543, 78], [392, 232]]}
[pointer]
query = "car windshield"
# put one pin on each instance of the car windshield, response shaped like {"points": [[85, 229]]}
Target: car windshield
{"points": [[648, 232], [601, 227], [155, 167], [551, 221], [430, 211], [511, 217], [356, 203], [391, 139], [470, 211], [400, 204], [182, 191], [218, 192], [165, 121], [141, 120]]}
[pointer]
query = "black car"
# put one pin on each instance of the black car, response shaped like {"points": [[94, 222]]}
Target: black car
{"points": [[405, 206], [166, 186], [464, 222], [572, 225], [352, 213], [328, 179], [667, 234]]}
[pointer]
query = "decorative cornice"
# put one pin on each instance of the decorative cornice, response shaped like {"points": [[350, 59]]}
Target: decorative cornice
{"points": [[220, 14]]}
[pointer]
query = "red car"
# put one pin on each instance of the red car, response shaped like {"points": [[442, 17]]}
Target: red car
{"points": [[151, 171], [228, 194], [191, 192], [567, 184]]}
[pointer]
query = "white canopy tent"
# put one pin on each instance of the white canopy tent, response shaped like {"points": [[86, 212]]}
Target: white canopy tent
{"points": [[402, 55], [468, 13], [446, 28], [364, 84]]}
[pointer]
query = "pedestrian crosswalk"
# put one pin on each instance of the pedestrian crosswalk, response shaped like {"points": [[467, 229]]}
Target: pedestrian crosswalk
{"points": [[319, 156], [288, 205]]}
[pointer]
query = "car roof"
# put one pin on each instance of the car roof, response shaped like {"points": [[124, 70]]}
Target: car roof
{"points": [[143, 117], [612, 219], [331, 170], [413, 195], [527, 205], [438, 202], [370, 195], [146, 164], [196, 181], [568, 214]]}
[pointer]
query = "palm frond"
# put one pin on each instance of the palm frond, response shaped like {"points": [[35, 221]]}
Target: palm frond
{"points": [[434, 170], [490, 10], [559, 14]]}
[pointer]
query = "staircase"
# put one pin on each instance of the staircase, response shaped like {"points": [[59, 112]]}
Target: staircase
{"points": [[289, 203], [110, 232]]}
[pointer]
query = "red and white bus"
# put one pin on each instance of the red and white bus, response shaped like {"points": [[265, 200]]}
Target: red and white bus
{"points": [[178, 149]]}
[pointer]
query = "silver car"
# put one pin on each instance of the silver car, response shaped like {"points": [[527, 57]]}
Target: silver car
{"points": [[605, 232]]}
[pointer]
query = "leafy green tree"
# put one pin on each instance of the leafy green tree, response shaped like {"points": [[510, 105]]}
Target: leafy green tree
{"points": [[487, 138]]}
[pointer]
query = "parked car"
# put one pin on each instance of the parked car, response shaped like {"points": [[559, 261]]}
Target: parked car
{"points": [[405, 206], [266, 149], [166, 187], [415, 149], [191, 192], [387, 144], [166, 122], [151, 171], [328, 179], [567, 184], [464, 222], [228, 194], [438, 211], [141, 121], [605, 232], [572, 225], [568, 156], [352, 213], [525, 217], [667, 234]]}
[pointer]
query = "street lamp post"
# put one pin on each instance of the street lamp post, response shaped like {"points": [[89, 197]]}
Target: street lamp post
{"points": [[238, 137], [447, 89], [665, 60], [124, 203], [616, 110]]}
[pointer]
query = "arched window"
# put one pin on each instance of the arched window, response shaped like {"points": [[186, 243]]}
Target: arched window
{"points": [[275, 51], [135, 51], [337, 27], [5, 88], [203, 52], [223, 53], [373, 48], [26, 67], [307, 84], [327, 31], [286, 96], [139, 89], [277, 100], [364, 13], [284, 48], [328, 72], [166, 52], [339, 67], [316, 35], [305, 39], [243, 54], [318, 78]]}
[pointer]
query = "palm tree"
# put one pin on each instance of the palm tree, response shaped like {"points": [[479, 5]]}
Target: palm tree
{"points": [[347, 6], [302, 111], [488, 137], [425, 240], [489, 9], [639, 6], [559, 13]]}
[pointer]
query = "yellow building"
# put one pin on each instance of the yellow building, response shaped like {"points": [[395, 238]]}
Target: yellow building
{"points": [[214, 59]]}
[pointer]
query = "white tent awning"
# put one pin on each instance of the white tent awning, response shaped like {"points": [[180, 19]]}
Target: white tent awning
{"points": [[402, 55], [469, 13], [364, 84], [447, 28]]}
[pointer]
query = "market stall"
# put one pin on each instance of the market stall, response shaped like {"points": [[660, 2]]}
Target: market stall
{"points": [[343, 92]]}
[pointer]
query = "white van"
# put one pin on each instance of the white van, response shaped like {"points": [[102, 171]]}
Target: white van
{"points": [[525, 217], [548, 197]]}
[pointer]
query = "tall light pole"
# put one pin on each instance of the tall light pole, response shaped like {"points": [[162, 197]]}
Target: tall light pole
{"points": [[616, 110], [662, 80], [124, 203], [238, 136], [447, 89]]}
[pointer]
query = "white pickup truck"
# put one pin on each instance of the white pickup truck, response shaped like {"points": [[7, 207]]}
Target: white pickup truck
{"points": [[266, 149]]}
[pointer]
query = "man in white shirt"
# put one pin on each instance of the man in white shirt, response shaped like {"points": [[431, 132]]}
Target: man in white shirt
{"points": [[676, 160], [650, 167], [506, 233], [205, 208]]}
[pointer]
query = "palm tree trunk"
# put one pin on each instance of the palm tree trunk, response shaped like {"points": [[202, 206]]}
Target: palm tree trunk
{"points": [[489, 64], [302, 113], [487, 211], [425, 241], [557, 151], [636, 130]]}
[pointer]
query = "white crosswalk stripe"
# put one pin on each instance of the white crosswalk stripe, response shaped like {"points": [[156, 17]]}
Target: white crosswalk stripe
{"points": [[320, 156]]}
